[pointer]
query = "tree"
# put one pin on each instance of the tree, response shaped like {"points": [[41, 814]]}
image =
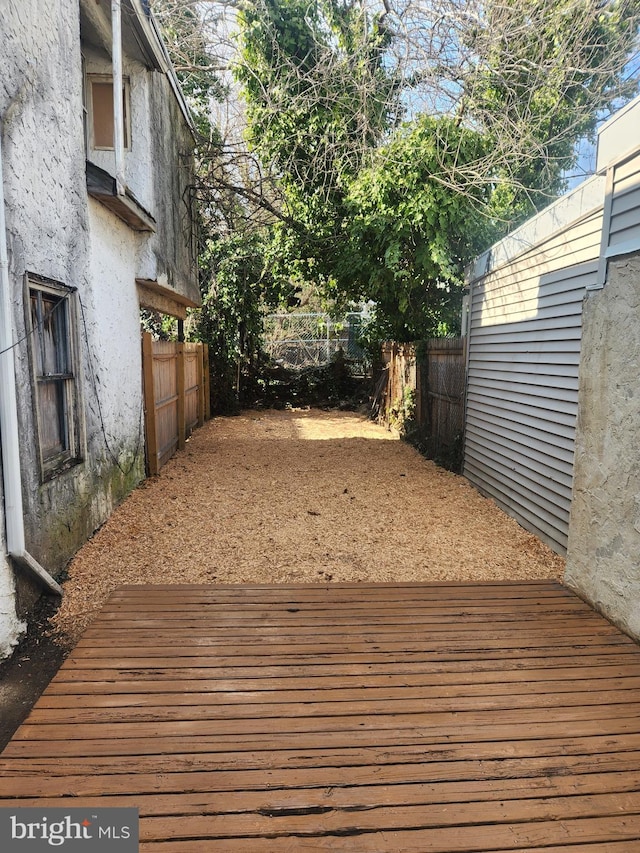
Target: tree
{"points": [[549, 69], [386, 141], [409, 233]]}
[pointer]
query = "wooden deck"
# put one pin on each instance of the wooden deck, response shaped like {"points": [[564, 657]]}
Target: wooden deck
{"points": [[387, 718]]}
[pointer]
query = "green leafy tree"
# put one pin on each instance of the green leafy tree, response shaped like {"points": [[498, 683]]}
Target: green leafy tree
{"points": [[392, 215], [410, 232], [230, 321], [545, 72], [494, 94]]}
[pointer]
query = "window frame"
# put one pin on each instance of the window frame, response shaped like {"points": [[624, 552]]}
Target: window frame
{"points": [[92, 78], [65, 381]]}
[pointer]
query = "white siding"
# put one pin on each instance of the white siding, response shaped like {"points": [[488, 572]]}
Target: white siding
{"points": [[524, 353], [623, 232]]}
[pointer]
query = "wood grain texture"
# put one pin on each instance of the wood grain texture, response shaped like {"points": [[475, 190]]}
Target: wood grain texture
{"points": [[396, 718]]}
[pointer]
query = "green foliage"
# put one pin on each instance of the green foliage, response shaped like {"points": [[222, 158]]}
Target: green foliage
{"points": [[318, 101], [316, 89], [409, 232], [234, 292], [546, 84], [352, 203], [402, 413], [161, 326]]}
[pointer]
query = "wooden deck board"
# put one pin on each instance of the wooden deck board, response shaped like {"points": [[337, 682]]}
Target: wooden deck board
{"points": [[395, 718]]}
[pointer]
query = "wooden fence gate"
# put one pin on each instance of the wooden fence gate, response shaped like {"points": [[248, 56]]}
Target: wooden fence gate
{"points": [[176, 395]]}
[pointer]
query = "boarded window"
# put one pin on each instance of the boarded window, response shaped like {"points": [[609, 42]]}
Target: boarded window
{"points": [[101, 108], [55, 388]]}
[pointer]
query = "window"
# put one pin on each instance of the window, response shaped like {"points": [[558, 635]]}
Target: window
{"points": [[51, 321], [100, 106]]}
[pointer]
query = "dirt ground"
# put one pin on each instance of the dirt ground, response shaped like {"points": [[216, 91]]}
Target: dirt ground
{"points": [[298, 496]]}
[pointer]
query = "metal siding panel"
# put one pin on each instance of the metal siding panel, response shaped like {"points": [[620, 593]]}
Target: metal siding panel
{"points": [[551, 446], [541, 334], [527, 358], [548, 527], [557, 387], [624, 240], [554, 314], [522, 390], [568, 349], [628, 167], [623, 203], [552, 474], [625, 185], [628, 219], [561, 409], [513, 488], [535, 365], [561, 424]]}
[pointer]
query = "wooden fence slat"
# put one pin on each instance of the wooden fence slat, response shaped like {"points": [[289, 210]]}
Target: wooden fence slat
{"points": [[149, 404], [176, 395], [437, 376], [182, 429], [200, 375]]}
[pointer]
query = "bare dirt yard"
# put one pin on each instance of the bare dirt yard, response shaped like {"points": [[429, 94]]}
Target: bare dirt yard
{"points": [[298, 496]]}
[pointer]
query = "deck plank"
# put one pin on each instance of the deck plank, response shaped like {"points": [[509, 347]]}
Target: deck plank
{"points": [[452, 717]]}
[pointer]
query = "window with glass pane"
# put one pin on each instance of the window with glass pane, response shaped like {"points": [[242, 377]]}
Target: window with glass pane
{"points": [[54, 379]]}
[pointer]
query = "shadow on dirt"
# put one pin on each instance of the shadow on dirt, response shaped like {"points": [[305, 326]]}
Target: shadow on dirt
{"points": [[29, 670]]}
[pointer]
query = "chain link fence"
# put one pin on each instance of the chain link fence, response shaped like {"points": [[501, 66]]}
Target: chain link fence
{"points": [[298, 341]]}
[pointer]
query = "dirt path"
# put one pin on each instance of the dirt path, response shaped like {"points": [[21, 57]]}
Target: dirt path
{"points": [[298, 496]]}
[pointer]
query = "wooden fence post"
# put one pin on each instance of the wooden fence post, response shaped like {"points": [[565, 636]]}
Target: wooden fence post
{"points": [[149, 404], [180, 385]]}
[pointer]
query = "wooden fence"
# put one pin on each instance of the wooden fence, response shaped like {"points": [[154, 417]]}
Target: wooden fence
{"points": [[176, 395], [430, 385]]}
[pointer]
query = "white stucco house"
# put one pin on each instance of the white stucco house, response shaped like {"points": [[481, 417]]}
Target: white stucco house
{"points": [[95, 223]]}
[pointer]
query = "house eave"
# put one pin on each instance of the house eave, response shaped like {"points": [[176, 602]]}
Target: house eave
{"points": [[153, 295], [142, 40], [102, 186]]}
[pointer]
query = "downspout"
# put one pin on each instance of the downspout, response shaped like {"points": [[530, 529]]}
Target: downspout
{"points": [[118, 110], [9, 436]]}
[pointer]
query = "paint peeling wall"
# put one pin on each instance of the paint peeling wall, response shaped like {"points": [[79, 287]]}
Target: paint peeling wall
{"points": [[46, 223], [11, 628], [603, 560], [56, 231], [138, 163], [172, 144]]}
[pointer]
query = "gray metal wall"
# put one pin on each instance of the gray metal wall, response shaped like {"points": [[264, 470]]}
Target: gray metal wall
{"points": [[524, 354], [621, 227]]}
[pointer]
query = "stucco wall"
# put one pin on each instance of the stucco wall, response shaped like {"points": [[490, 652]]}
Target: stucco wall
{"points": [[158, 171], [76, 502], [603, 560], [56, 231], [50, 233], [44, 190], [10, 626], [138, 164], [169, 258]]}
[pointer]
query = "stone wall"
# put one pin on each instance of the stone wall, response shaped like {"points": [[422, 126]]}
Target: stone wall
{"points": [[603, 559]]}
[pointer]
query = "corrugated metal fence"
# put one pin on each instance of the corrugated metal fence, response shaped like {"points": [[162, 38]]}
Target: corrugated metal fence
{"points": [[176, 394]]}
